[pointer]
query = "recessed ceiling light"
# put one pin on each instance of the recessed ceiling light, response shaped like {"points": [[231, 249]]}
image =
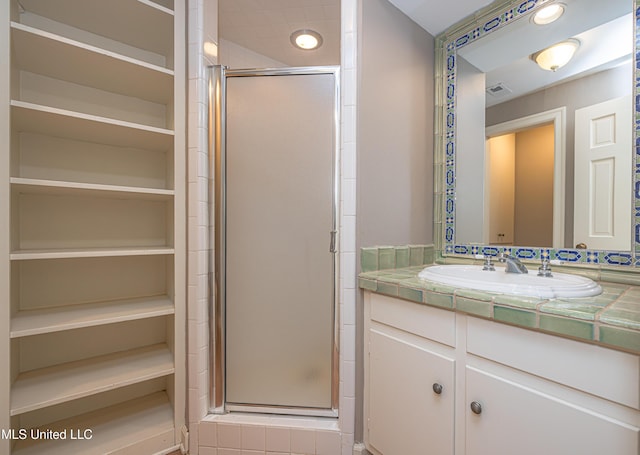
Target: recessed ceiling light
{"points": [[306, 39], [548, 14]]}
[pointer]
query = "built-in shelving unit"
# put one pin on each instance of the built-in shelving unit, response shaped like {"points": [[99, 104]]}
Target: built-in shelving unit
{"points": [[95, 198]]}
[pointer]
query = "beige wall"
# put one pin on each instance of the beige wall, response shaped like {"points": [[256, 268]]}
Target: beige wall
{"points": [[395, 128], [394, 139], [534, 187]]}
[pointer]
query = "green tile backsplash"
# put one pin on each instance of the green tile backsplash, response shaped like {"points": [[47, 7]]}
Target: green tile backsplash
{"points": [[369, 259], [386, 257], [390, 257], [416, 255], [402, 257]]}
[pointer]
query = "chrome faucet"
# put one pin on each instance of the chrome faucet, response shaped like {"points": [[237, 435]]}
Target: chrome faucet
{"points": [[513, 264]]}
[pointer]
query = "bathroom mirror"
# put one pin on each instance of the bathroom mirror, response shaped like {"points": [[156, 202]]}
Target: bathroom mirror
{"points": [[565, 185]]}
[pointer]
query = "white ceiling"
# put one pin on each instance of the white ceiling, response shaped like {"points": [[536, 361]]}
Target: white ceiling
{"points": [[436, 16], [265, 26]]}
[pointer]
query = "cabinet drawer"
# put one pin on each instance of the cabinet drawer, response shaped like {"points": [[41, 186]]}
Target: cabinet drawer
{"points": [[427, 322], [603, 372]]}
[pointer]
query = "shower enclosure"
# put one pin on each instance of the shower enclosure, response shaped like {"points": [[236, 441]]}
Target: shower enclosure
{"points": [[274, 161]]}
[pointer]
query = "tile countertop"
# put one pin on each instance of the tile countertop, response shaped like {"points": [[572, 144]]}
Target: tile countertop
{"points": [[611, 319]]}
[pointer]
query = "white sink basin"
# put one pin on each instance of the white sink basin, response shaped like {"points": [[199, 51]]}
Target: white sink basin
{"points": [[473, 277]]}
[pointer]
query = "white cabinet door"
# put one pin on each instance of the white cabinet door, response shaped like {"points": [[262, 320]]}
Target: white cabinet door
{"points": [[406, 416], [515, 419]]}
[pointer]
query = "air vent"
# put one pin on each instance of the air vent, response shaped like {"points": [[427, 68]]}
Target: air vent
{"points": [[498, 90]]}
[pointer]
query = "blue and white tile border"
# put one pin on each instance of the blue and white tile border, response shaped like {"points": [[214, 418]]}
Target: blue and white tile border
{"points": [[444, 231]]}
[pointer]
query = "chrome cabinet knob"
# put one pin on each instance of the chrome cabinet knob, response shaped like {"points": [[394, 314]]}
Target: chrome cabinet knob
{"points": [[437, 388], [476, 407]]}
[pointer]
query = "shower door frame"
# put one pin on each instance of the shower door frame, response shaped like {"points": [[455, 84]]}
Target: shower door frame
{"points": [[217, 150]]}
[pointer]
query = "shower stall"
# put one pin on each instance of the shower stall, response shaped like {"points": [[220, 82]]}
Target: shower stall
{"points": [[274, 189]]}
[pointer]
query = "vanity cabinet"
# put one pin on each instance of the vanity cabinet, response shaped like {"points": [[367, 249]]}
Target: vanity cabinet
{"points": [[512, 390], [411, 396], [410, 381], [93, 194]]}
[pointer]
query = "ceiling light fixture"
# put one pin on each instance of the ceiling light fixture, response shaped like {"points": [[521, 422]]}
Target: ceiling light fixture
{"points": [[556, 56], [306, 39], [548, 14]]}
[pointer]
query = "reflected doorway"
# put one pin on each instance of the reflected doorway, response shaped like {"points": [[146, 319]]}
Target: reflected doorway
{"points": [[520, 187], [524, 164]]}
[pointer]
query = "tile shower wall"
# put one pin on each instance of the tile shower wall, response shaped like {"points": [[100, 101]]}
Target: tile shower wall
{"points": [[202, 27], [226, 435]]}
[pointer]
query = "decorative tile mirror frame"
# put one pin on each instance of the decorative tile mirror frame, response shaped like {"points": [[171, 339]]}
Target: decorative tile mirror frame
{"points": [[495, 16]]}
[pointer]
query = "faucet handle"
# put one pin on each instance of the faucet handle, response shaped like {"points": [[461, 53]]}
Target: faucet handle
{"points": [[488, 261], [545, 268], [488, 264]]}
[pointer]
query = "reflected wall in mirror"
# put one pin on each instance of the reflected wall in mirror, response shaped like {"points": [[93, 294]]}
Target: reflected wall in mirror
{"points": [[539, 162]]}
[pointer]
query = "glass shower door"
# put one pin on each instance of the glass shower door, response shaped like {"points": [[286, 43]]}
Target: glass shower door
{"points": [[280, 213]]}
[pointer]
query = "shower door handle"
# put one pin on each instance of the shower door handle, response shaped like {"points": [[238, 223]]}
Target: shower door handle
{"points": [[332, 242]]}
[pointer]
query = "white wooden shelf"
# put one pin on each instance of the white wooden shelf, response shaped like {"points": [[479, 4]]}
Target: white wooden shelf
{"points": [[36, 322], [35, 186], [138, 23], [58, 57], [146, 421], [95, 160], [21, 255], [69, 381], [35, 118]]}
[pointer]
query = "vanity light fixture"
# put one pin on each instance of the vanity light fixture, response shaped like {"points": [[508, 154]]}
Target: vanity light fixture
{"points": [[307, 40], [556, 56], [548, 14]]}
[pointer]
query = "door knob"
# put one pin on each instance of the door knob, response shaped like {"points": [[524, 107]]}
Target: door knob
{"points": [[581, 246], [476, 407], [437, 388]]}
